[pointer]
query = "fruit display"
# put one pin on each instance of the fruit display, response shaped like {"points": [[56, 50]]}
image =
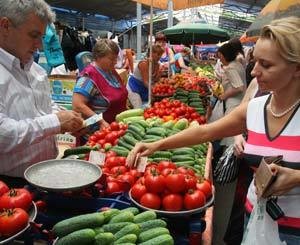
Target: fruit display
{"points": [[113, 226], [166, 186], [14, 204]]}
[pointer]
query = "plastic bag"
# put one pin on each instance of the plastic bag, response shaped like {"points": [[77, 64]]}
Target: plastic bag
{"points": [[218, 111], [261, 228]]}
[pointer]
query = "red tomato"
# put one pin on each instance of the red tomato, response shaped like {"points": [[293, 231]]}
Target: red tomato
{"points": [[118, 170], [136, 174], [93, 138], [175, 182], [190, 182], [194, 199], [110, 154], [111, 137], [12, 221], [205, 187], [166, 164], [155, 182], [151, 200], [114, 126], [113, 161], [16, 198], [127, 178], [112, 187], [172, 202], [3, 188], [101, 142], [99, 135], [137, 191], [166, 171]]}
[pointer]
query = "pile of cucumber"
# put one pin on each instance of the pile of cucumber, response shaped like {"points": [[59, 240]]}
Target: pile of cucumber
{"points": [[191, 98], [113, 226]]}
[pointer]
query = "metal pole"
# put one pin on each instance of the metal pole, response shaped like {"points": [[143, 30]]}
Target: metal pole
{"points": [[170, 13], [139, 31], [150, 58]]}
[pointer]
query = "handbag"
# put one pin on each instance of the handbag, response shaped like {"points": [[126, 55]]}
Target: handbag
{"points": [[227, 167]]}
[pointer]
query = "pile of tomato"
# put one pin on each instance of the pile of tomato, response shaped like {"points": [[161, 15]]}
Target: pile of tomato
{"points": [[165, 186], [163, 90], [173, 109], [119, 178], [14, 204], [108, 136]]}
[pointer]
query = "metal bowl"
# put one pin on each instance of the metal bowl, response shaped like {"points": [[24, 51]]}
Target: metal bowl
{"points": [[61, 175]]}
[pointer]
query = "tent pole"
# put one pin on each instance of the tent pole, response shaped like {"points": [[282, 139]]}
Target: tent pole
{"points": [[139, 31], [170, 13], [150, 58]]}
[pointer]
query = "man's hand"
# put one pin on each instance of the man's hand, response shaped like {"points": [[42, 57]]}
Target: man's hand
{"points": [[239, 143], [70, 121]]}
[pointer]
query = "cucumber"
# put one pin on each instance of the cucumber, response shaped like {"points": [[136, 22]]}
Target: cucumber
{"points": [[82, 237], [123, 143], [185, 163], [180, 158], [131, 238], [123, 216], [165, 239], [135, 135], [98, 230], [152, 224], [151, 233], [138, 126], [79, 150], [159, 159], [130, 140], [132, 119], [121, 151], [109, 213], [133, 210], [137, 130], [154, 137], [144, 216], [159, 131], [105, 238], [143, 123], [67, 226], [129, 113], [163, 154], [129, 229], [150, 140], [183, 151], [115, 227], [181, 124]]}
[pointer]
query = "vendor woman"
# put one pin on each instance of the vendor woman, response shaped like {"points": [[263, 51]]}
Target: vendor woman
{"points": [[139, 81], [99, 88]]}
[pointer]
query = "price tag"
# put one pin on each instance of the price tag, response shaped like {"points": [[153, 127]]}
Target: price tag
{"points": [[142, 163], [97, 157]]}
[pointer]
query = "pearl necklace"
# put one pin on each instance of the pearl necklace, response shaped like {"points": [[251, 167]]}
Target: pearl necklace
{"points": [[278, 115]]}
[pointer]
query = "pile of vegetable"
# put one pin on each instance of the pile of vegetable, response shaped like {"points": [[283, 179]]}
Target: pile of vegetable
{"points": [[169, 187], [14, 205], [114, 226]]}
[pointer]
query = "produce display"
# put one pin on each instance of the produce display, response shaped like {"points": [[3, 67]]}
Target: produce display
{"points": [[113, 226], [171, 187], [14, 204]]}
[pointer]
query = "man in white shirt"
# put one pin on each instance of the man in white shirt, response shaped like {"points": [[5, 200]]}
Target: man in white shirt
{"points": [[28, 121]]}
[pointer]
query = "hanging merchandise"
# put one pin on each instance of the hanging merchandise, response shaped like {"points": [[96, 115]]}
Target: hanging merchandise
{"points": [[52, 48]]}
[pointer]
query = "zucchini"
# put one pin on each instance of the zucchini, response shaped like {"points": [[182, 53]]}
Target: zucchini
{"points": [[82, 237], [151, 233], [67, 226], [133, 210], [144, 216], [152, 224], [115, 227], [128, 120], [123, 216], [129, 229], [105, 238], [129, 113], [165, 239], [131, 238]]}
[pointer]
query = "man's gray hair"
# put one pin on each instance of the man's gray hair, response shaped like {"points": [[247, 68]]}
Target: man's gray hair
{"points": [[18, 10]]}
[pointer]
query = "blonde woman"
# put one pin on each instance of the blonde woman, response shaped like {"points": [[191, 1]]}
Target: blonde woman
{"points": [[271, 121]]}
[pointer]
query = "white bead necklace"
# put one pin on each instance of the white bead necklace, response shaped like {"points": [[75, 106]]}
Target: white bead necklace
{"points": [[278, 115]]}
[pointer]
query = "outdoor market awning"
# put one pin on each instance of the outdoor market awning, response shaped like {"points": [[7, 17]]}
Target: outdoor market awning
{"points": [[195, 33], [178, 4]]}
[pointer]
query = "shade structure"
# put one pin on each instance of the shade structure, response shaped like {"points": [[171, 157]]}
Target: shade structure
{"points": [[178, 4], [195, 33], [275, 9]]}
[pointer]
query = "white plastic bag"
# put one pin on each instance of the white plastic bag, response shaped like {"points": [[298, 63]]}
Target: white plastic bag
{"points": [[261, 228], [218, 111]]}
